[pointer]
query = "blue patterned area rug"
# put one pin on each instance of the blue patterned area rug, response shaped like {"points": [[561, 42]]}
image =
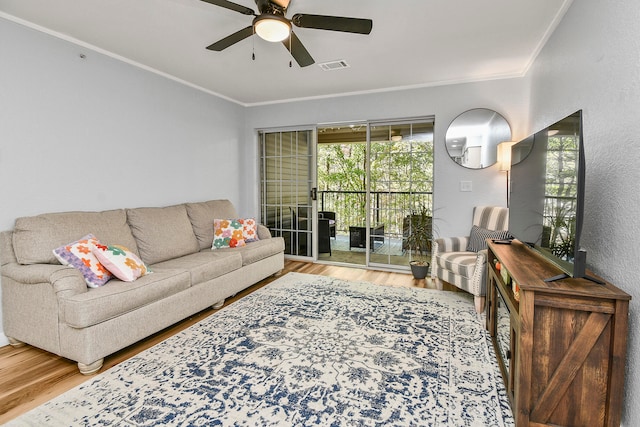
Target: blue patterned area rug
{"points": [[306, 350]]}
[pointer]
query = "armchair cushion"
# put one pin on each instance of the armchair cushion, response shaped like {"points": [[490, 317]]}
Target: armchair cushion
{"points": [[461, 263]]}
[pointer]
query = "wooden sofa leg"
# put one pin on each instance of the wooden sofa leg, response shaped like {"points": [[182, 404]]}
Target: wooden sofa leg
{"points": [[218, 305], [479, 303], [15, 343], [278, 273], [91, 368]]}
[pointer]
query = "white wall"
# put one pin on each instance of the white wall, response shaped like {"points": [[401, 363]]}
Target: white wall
{"points": [[592, 62], [452, 208], [96, 133]]}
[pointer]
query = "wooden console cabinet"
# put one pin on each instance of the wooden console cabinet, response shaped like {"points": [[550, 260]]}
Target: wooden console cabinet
{"points": [[561, 347]]}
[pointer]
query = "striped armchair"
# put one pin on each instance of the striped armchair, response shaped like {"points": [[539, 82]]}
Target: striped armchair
{"points": [[451, 262]]}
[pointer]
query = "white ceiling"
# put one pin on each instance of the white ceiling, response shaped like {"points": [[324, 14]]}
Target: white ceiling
{"points": [[413, 43]]}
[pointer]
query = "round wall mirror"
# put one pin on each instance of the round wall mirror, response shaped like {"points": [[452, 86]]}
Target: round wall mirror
{"points": [[472, 138]]}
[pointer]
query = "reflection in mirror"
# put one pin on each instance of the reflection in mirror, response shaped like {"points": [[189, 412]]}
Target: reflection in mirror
{"points": [[472, 138], [521, 150]]}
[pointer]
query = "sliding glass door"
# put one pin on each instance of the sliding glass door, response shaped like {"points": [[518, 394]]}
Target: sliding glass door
{"points": [[373, 180], [287, 171]]}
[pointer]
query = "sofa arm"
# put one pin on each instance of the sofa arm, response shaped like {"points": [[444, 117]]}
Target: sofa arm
{"points": [[64, 280], [263, 232]]}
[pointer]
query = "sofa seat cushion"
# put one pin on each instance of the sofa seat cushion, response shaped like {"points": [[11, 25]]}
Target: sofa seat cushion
{"points": [[162, 233], [255, 251], [117, 297], [35, 237], [203, 266], [461, 263]]}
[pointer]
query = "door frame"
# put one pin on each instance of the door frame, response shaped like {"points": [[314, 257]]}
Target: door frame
{"points": [[312, 181]]}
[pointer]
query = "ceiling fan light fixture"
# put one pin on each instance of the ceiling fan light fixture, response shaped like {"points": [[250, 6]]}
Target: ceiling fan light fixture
{"points": [[272, 28]]}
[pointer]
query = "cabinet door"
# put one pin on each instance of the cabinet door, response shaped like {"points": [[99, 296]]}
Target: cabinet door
{"points": [[569, 341]]}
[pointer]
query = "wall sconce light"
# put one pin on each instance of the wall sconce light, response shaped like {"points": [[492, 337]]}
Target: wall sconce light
{"points": [[504, 155]]}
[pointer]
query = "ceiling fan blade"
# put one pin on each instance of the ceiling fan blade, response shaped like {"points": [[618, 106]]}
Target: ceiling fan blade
{"points": [[333, 23], [298, 51], [231, 6], [232, 39]]}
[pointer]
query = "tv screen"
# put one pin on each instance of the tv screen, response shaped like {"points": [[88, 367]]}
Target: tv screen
{"points": [[547, 194]]}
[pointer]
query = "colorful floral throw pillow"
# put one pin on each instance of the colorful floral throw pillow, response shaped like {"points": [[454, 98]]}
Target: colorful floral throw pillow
{"points": [[121, 262], [79, 255], [249, 229], [228, 233]]}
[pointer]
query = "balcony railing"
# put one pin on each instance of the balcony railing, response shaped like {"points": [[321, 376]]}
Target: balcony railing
{"points": [[388, 207]]}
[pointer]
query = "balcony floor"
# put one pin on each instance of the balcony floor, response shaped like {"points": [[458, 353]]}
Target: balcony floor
{"points": [[387, 252]]}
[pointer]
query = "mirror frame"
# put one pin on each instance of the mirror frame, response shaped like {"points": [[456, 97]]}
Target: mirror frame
{"points": [[485, 128]]}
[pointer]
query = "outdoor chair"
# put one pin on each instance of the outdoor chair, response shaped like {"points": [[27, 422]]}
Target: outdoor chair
{"points": [[331, 216], [324, 236]]}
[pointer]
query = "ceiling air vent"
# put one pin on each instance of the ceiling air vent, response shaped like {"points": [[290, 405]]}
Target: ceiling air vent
{"points": [[334, 65]]}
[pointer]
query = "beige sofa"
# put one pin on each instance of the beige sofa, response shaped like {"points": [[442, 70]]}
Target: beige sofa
{"points": [[49, 305]]}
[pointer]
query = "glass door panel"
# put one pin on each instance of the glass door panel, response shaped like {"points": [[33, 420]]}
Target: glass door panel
{"points": [[286, 182], [342, 165], [401, 176]]}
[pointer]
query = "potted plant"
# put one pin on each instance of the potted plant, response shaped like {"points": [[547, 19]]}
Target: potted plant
{"points": [[418, 240]]}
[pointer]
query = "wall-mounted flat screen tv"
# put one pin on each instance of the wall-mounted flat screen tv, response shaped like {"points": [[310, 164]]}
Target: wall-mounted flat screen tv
{"points": [[546, 200]]}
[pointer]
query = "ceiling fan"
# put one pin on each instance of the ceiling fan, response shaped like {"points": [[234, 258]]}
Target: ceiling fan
{"points": [[272, 25]]}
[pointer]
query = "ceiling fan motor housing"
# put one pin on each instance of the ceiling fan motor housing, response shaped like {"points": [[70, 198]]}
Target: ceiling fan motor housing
{"points": [[267, 7]]}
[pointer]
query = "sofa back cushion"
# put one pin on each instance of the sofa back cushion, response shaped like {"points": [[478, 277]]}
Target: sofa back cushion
{"points": [[35, 237], [202, 214], [7, 256], [162, 233]]}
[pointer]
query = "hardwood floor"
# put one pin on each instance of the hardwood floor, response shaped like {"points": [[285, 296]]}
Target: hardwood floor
{"points": [[29, 376]]}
